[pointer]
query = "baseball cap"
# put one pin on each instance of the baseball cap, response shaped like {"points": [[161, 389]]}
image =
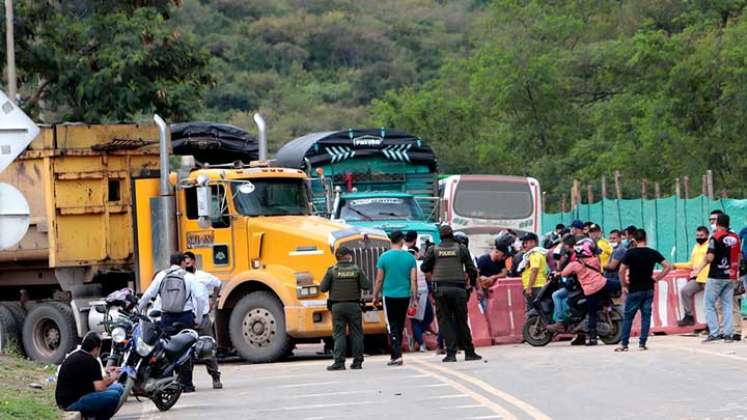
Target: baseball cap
{"points": [[594, 228], [577, 224]]}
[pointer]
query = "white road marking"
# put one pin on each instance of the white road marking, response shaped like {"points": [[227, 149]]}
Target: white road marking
{"points": [[445, 397], [701, 351], [308, 384], [330, 394], [461, 407], [313, 406], [482, 417], [430, 385]]}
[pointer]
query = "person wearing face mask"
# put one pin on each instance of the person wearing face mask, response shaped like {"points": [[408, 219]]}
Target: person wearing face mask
{"points": [[614, 239], [736, 313], [698, 275]]}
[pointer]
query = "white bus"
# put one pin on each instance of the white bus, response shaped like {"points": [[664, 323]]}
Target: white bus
{"points": [[483, 205]]}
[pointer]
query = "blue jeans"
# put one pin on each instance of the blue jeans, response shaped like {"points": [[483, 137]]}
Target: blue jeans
{"points": [[723, 290], [100, 405], [559, 299], [634, 302]]}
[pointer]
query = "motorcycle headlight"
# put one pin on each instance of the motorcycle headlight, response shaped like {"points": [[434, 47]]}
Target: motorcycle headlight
{"points": [[119, 335], [143, 348]]}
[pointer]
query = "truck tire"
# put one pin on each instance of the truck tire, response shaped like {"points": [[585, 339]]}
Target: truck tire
{"points": [[18, 312], [9, 332], [257, 328], [49, 332]]}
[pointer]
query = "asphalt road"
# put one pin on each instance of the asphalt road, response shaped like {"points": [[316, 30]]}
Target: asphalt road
{"points": [[677, 378]]}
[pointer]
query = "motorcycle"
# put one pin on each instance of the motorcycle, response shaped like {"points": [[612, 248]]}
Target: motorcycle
{"points": [[152, 359], [535, 332], [119, 322]]}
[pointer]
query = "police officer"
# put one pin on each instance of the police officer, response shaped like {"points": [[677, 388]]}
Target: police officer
{"points": [[344, 282], [449, 264]]}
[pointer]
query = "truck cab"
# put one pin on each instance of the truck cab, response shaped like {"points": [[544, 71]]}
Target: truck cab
{"points": [[386, 211]]}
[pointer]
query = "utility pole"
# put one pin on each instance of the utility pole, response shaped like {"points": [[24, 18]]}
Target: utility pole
{"points": [[10, 49]]}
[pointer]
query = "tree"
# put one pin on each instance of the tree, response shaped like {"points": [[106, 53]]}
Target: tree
{"points": [[97, 60]]}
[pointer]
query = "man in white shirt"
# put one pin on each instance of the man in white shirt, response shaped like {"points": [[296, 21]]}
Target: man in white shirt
{"points": [[190, 311], [210, 286]]}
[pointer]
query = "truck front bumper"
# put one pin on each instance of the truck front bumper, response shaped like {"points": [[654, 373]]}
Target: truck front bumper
{"points": [[312, 319]]}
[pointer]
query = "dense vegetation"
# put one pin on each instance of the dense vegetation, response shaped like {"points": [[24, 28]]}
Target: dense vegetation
{"points": [[553, 89]]}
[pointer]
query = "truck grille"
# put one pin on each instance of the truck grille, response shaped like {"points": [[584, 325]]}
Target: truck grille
{"points": [[365, 256]]}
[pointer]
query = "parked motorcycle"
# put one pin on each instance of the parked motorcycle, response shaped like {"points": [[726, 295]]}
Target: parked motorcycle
{"points": [[535, 332], [119, 322], [152, 359]]}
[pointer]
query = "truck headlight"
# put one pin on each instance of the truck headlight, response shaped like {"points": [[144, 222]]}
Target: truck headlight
{"points": [[307, 291], [119, 335]]}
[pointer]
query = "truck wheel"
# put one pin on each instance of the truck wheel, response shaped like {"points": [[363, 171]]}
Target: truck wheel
{"points": [[257, 328], [9, 332], [49, 332], [18, 312]]}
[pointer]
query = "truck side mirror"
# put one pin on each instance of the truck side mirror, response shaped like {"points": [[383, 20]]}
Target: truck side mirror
{"points": [[203, 206]]}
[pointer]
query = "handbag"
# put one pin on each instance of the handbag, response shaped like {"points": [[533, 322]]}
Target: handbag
{"points": [[739, 289]]}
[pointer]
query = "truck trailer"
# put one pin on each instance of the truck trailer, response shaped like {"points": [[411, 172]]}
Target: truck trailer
{"points": [[107, 211]]}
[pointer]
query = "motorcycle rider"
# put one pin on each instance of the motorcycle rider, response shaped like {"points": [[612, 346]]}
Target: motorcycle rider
{"points": [[587, 270]]}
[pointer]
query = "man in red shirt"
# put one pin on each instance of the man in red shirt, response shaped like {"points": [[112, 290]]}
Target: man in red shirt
{"points": [[723, 256]]}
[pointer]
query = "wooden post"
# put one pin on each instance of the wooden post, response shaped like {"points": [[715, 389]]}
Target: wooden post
{"points": [[604, 187], [704, 185], [686, 183], [590, 193], [677, 192], [618, 190], [575, 194], [709, 175], [544, 200], [657, 189], [563, 204], [644, 188]]}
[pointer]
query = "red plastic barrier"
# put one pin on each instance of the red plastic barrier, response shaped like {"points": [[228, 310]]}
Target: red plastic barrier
{"points": [[506, 311], [478, 323], [667, 307]]}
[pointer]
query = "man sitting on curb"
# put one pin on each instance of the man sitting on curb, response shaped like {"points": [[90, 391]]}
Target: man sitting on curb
{"points": [[81, 386]]}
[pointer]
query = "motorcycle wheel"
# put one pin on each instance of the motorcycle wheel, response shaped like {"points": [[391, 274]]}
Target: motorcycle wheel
{"points": [[535, 332], [166, 399], [616, 332]]}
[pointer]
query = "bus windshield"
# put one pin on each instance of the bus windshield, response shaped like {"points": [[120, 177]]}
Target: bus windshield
{"points": [[270, 197], [493, 200], [380, 208]]}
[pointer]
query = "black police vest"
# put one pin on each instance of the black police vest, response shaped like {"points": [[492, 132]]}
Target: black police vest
{"points": [[345, 284], [448, 267]]}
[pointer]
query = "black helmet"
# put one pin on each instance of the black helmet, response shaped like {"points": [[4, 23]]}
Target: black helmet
{"points": [[462, 238]]}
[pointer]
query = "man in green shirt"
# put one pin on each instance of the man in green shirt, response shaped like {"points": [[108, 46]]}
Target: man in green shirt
{"points": [[396, 280], [344, 282]]}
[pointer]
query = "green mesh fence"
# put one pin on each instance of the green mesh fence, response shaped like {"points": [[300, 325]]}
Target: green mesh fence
{"points": [[670, 222]]}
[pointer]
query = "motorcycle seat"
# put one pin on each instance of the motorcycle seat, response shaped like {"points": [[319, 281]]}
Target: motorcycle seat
{"points": [[178, 344]]}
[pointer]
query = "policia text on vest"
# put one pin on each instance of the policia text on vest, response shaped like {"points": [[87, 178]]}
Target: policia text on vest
{"points": [[345, 281], [451, 267]]}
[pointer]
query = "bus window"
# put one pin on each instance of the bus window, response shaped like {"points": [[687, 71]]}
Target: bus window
{"points": [[493, 200]]}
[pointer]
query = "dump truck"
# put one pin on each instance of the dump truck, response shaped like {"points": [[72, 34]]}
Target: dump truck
{"points": [[107, 211], [380, 178]]}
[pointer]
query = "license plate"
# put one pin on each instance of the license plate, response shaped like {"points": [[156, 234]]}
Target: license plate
{"points": [[371, 316]]}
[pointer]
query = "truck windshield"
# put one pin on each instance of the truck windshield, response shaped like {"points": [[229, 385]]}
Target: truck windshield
{"points": [[380, 208], [493, 200], [270, 197]]}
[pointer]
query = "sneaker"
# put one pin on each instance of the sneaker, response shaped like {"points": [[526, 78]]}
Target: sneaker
{"points": [[470, 357], [712, 339], [336, 366], [592, 342], [357, 365], [736, 337], [188, 389], [395, 362], [687, 321], [450, 358], [728, 340], [422, 349], [217, 383]]}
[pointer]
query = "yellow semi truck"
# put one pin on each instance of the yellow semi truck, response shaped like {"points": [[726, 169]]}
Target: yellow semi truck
{"points": [[106, 212]]}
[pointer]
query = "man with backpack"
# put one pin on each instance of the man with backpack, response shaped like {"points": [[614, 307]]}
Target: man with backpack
{"points": [[178, 292]]}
